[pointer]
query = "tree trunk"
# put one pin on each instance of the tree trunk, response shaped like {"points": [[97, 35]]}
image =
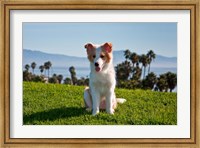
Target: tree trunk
{"points": [[149, 69], [144, 72], [48, 74], [72, 83]]}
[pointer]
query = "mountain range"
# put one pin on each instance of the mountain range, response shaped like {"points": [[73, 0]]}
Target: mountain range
{"points": [[59, 60]]}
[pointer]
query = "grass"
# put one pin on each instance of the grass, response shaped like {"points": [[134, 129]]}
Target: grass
{"points": [[55, 104]]}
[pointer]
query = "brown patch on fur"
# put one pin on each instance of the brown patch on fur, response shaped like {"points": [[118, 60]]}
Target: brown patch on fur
{"points": [[107, 51], [108, 47], [91, 51], [107, 56], [90, 54]]}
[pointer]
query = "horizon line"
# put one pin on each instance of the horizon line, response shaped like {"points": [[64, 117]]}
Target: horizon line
{"points": [[86, 56]]}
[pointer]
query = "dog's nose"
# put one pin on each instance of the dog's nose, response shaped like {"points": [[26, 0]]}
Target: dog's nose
{"points": [[96, 64]]}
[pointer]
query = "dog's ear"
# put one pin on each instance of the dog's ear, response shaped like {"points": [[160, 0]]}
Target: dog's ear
{"points": [[108, 47], [89, 47]]}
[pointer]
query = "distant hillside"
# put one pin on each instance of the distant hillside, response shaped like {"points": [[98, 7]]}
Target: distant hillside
{"points": [[160, 61], [59, 60]]}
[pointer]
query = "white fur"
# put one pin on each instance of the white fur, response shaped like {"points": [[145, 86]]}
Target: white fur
{"points": [[101, 85]]}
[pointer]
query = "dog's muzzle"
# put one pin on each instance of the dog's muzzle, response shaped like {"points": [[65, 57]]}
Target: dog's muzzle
{"points": [[97, 68]]}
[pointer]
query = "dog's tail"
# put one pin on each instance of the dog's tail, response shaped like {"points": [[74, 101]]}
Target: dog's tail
{"points": [[120, 100]]}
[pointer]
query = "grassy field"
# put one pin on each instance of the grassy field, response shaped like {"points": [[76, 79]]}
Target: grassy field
{"points": [[56, 104]]}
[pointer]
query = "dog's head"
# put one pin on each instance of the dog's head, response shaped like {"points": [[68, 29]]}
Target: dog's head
{"points": [[99, 55]]}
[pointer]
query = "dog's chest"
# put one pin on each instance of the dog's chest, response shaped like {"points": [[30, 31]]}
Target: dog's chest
{"points": [[102, 81]]}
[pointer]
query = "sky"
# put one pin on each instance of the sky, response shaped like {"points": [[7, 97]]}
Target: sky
{"points": [[70, 38]]}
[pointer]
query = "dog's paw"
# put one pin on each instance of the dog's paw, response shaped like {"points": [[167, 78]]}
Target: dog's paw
{"points": [[95, 112], [110, 111]]}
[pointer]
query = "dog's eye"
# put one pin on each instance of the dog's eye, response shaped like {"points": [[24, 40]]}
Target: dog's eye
{"points": [[102, 56], [94, 56]]}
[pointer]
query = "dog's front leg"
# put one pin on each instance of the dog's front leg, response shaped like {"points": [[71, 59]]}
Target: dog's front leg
{"points": [[95, 102], [109, 97]]}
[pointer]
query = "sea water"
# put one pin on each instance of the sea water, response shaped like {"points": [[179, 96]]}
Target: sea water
{"points": [[84, 72]]}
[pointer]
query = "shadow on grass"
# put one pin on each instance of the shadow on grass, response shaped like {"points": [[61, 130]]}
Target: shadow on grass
{"points": [[53, 114]]}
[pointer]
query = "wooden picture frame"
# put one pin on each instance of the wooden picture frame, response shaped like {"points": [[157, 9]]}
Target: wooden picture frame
{"points": [[7, 5]]}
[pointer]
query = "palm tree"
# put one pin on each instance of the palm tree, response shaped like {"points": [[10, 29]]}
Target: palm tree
{"points": [[41, 69], [33, 65], [127, 54], [134, 58], [53, 79], [151, 56], [123, 70], [71, 69], [73, 75], [60, 77], [81, 81], [137, 71], [144, 60], [67, 81], [162, 83], [47, 66], [150, 81], [27, 67], [171, 80], [119, 72], [26, 76]]}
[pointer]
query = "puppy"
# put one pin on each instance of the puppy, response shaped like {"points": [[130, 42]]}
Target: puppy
{"points": [[100, 94]]}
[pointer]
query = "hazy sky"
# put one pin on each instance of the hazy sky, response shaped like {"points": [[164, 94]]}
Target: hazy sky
{"points": [[70, 38]]}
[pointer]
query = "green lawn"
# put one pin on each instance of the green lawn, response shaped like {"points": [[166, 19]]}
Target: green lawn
{"points": [[59, 104]]}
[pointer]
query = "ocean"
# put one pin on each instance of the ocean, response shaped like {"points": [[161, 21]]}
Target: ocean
{"points": [[84, 71]]}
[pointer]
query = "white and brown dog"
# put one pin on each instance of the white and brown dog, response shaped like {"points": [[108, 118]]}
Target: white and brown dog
{"points": [[100, 94]]}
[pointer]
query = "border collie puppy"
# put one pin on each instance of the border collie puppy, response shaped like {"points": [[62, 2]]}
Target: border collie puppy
{"points": [[100, 93]]}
